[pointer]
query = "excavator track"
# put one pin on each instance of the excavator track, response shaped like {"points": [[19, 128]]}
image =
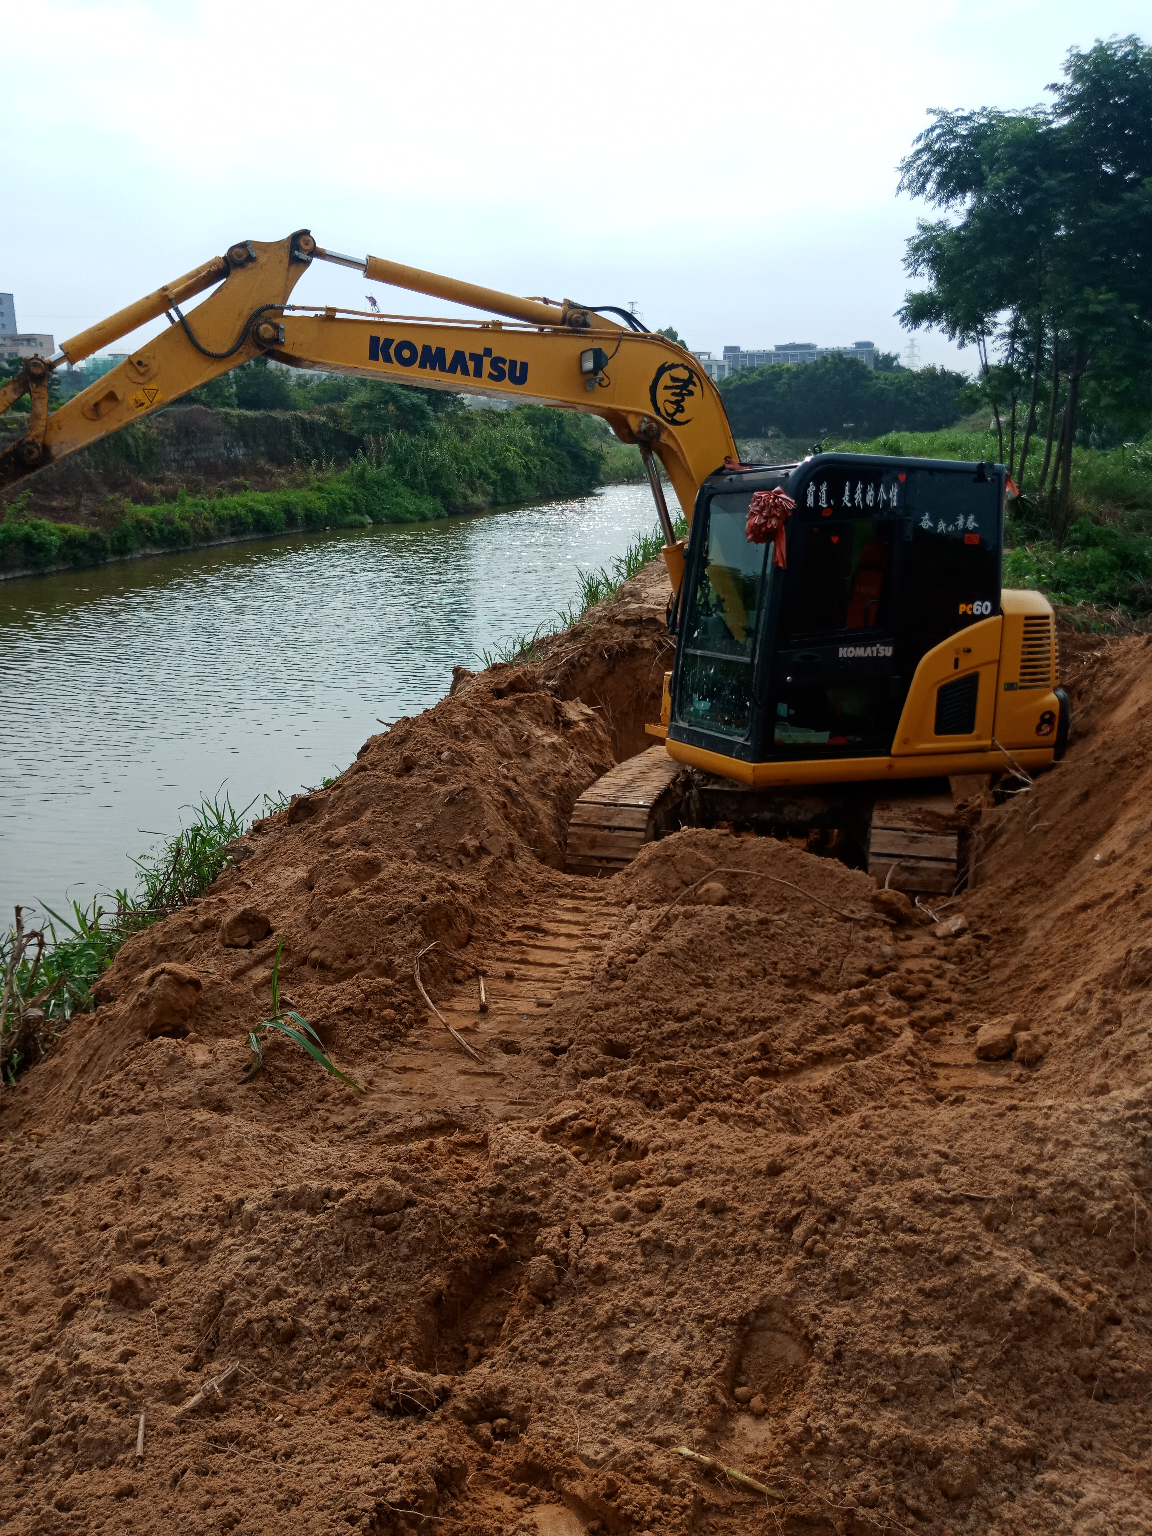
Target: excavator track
{"points": [[625, 808], [913, 844]]}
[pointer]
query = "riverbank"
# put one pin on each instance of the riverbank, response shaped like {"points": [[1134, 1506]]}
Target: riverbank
{"points": [[254, 665], [82, 944], [457, 462]]}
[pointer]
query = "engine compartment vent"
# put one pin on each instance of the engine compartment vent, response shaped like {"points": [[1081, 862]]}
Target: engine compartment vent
{"points": [[956, 706], [1037, 653]]}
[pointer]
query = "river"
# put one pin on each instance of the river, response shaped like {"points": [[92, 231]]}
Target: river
{"points": [[132, 689]]}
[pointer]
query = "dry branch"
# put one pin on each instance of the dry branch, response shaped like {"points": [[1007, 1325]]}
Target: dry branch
{"points": [[211, 1388], [456, 1035], [731, 1472]]}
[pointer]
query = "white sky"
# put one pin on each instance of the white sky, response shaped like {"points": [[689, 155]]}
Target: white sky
{"points": [[730, 166]]}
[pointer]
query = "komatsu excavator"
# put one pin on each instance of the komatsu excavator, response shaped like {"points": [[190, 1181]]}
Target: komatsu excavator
{"points": [[843, 644]]}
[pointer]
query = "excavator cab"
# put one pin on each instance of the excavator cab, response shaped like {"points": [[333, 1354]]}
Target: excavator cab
{"points": [[843, 695], [813, 663]]}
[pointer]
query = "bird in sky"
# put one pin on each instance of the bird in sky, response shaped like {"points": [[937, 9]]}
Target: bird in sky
{"points": [[372, 304]]}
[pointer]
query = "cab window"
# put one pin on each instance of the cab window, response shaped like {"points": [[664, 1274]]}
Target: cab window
{"points": [[718, 646], [843, 581]]}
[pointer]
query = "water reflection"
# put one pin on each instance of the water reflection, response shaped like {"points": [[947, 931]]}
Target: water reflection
{"points": [[131, 689]]}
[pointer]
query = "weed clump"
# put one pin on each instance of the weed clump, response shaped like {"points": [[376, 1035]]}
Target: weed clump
{"points": [[48, 973], [304, 1036]]}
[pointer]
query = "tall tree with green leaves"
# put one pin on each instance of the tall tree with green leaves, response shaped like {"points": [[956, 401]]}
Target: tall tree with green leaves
{"points": [[1041, 261]]}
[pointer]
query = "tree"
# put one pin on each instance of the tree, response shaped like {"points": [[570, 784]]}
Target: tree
{"points": [[1043, 263], [218, 394], [260, 387], [377, 406], [840, 395], [673, 334]]}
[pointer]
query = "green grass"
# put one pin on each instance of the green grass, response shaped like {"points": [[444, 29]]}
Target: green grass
{"points": [[55, 976], [1098, 566]]}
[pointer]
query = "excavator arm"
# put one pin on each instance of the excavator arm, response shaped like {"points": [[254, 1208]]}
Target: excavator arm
{"points": [[650, 391]]}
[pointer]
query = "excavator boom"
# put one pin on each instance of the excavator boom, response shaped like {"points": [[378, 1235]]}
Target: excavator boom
{"points": [[650, 391]]}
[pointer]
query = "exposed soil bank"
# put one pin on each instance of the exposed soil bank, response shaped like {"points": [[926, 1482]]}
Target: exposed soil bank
{"points": [[742, 1183]]}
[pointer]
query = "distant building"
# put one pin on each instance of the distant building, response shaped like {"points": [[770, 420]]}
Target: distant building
{"points": [[97, 367], [16, 344], [30, 344], [73, 380], [735, 359]]}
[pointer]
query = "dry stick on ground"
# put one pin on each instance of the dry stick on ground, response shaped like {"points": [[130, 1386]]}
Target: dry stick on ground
{"points": [[724, 869], [140, 1439], [456, 1035], [1021, 773], [737, 1477], [209, 1389]]}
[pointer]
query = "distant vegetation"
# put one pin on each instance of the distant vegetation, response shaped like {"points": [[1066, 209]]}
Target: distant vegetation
{"points": [[838, 394], [416, 455]]}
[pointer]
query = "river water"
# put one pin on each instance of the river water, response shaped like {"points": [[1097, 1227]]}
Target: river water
{"points": [[130, 690]]}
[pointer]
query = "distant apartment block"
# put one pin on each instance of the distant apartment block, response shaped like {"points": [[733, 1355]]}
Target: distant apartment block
{"points": [[736, 358], [29, 344], [15, 344]]}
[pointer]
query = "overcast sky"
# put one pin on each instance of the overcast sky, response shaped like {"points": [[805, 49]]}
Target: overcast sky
{"points": [[730, 167]]}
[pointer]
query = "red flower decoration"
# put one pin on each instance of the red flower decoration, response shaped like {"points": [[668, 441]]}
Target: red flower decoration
{"points": [[766, 518]]}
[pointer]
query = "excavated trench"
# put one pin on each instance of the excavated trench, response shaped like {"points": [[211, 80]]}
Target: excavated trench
{"points": [[740, 1157]]}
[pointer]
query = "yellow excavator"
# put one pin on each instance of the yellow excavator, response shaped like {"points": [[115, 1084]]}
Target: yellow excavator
{"points": [[843, 644]]}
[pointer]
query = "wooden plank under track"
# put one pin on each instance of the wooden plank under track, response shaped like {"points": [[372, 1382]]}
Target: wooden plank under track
{"points": [[912, 846], [613, 818]]}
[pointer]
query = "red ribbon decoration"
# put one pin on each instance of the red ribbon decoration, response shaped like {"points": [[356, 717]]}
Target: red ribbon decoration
{"points": [[766, 518]]}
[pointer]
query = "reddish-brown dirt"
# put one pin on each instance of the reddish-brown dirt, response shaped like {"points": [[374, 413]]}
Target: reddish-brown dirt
{"points": [[724, 1170]]}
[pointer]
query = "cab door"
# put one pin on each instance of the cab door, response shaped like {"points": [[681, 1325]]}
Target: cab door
{"points": [[715, 683], [834, 689]]}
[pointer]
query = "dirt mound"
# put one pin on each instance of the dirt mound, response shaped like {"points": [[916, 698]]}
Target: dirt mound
{"points": [[721, 1167]]}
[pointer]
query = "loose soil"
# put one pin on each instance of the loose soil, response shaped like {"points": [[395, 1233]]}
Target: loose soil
{"points": [[721, 1168]]}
